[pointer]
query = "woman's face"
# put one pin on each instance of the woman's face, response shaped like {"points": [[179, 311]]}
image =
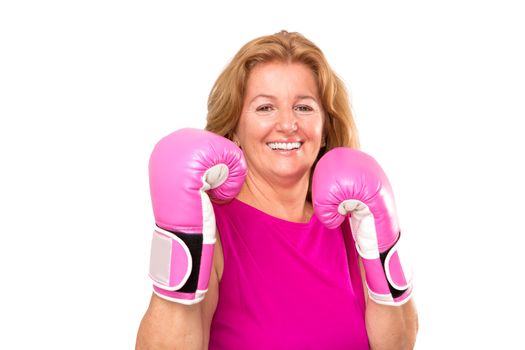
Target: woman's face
{"points": [[281, 125]]}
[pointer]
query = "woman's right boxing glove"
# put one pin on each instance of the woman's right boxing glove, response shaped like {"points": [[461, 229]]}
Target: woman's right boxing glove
{"points": [[186, 168]]}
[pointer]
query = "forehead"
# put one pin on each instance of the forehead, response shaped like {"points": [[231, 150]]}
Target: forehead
{"points": [[279, 75]]}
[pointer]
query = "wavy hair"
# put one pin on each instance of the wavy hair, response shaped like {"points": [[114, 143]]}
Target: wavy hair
{"points": [[226, 98]]}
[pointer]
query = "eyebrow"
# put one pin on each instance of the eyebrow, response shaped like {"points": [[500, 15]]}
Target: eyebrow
{"points": [[271, 97], [303, 97], [262, 95]]}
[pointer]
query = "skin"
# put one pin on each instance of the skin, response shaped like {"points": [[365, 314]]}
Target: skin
{"points": [[281, 105]]}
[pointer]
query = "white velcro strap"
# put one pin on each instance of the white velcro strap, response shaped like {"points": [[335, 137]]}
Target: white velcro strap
{"points": [[383, 299], [397, 267], [170, 260]]}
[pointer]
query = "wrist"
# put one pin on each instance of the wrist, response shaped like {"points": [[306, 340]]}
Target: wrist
{"points": [[388, 277]]}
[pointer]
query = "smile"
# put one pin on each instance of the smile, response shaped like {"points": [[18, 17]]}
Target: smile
{"points": [[284, 146]]}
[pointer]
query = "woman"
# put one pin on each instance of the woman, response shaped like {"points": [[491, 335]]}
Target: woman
{"points": [[280, 278]]}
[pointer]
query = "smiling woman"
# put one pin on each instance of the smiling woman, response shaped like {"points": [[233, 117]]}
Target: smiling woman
{"points": [[289, 267], [280, 129], [228, 99]]}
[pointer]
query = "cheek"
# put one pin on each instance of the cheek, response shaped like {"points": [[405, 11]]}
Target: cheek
{"points": [[254, 129], [250, 134], [315, 128]]}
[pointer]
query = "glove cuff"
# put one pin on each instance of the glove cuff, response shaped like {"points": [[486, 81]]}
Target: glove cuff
{"points": [[388, 277], [180, 265]]}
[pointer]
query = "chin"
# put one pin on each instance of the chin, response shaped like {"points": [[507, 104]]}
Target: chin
{"points": [[292, 173]]}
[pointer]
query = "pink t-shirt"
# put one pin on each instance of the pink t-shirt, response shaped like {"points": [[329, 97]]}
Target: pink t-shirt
{"points": [[286, 285]]}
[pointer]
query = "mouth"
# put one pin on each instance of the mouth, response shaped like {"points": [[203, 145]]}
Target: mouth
{"points": [[284, 146]]}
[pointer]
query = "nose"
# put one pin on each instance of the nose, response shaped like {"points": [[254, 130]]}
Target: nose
{"points": [[287, 121]]}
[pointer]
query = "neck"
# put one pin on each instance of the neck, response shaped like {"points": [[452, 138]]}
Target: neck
{"points": [[284, 200]]}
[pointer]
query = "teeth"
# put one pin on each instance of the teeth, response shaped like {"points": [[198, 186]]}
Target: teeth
{"points": [[284, 145]]}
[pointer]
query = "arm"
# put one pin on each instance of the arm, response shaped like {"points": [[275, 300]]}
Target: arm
{"points": [[186, 169], [169, 325], [348, 182], [390, 327]]}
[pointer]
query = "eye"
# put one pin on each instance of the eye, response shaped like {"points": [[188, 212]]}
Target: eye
{"points": [[303, 108], [264, 108]]}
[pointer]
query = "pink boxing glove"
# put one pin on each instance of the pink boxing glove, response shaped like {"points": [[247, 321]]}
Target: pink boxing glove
{"points": [[347, 181], [184, 168]]}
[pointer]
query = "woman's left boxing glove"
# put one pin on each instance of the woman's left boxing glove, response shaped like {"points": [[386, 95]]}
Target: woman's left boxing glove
{"points": [[186, 168], [348, 182]]}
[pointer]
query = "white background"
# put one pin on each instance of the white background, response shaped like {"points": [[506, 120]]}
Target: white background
{"points": [[88, 87]]}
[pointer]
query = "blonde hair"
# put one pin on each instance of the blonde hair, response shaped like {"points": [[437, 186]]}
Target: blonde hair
{"points": [[226, 98]]}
